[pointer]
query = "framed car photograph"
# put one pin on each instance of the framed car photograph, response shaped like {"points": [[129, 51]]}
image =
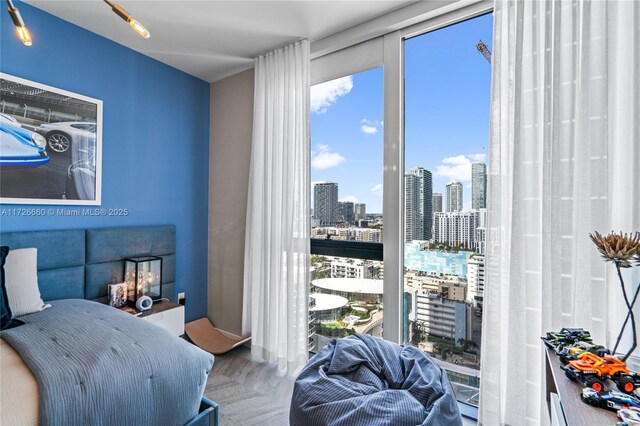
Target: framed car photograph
{"points": [[50, 145]]}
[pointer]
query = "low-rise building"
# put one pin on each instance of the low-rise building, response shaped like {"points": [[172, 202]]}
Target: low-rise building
{"points": [[452, 284], [344, 232], [456, 291], [368, 235], [440, 317], [354, 268]]}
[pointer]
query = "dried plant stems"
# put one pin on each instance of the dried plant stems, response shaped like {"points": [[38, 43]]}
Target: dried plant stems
{"points": [[630, 315]]}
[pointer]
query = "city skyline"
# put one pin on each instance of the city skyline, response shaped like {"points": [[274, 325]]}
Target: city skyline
{"points": [[418, 185]]}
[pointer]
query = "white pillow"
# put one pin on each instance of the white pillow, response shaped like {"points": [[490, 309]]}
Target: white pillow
{"points": [[21, 282]]}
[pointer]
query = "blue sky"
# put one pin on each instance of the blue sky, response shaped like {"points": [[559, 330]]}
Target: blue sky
{"points": [[447, 92]]}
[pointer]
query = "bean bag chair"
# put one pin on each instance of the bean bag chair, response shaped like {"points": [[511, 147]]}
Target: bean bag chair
{"points": [[363, 380]]}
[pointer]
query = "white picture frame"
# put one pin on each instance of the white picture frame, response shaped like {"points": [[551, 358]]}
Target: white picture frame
{"points": [[71, 126]]}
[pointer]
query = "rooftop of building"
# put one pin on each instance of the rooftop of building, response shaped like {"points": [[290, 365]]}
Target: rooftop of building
{"points": [[350, 285], [327, 302]]}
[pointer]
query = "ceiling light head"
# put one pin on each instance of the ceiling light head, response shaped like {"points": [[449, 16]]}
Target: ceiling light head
{"points": [[21, 29], [137, 26]]}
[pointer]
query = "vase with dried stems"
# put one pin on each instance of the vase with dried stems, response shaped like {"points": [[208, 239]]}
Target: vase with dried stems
{"points": [[623, 250]]}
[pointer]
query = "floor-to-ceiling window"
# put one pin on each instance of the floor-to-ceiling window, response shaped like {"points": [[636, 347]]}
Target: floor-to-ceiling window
{"points": [[399, 160], [346, 287], [447, 79]]}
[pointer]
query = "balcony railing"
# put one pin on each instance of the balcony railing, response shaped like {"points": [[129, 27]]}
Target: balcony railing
{"points": [[352, 249]]}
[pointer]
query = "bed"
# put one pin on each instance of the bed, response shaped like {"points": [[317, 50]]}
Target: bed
{"points": [[84, 362]]}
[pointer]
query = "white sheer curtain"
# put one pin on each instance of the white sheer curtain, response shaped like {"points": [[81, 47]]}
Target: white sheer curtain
{"points": [[564, 161], [276, 271]]}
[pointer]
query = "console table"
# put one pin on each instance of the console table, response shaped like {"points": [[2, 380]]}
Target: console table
{"points": [[563, 398]]}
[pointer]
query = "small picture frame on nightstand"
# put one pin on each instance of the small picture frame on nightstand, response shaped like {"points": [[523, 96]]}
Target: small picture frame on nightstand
{"points": [[118, 295]]}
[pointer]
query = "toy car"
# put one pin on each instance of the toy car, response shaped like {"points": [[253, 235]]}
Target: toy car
{"points": [[569, 353], [611, 400], [629, 417], [566, 336], [592, 371]]}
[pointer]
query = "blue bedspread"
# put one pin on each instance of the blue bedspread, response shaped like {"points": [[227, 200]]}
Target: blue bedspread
{"points": [[96, 365], [362, 380]]}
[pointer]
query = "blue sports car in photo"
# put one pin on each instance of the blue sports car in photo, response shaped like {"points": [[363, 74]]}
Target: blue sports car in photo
{"points": [[20, 147]]}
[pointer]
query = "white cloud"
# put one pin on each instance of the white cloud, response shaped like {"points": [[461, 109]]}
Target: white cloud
{"points": [[370, 127], [350, 198], [325, 159], [458, 168], [323, 95], [377, 190], [368, 130], [478, 157]]}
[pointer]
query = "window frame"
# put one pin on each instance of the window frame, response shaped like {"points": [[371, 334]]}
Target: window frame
{"points": [[393, 183], [387, 51]]}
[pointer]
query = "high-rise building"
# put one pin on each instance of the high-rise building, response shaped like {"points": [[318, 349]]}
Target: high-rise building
{"points": [[360, 211], [475, 277], [418, 204], [481, 232], [437, 202], [345, 212], [325, 203], [454, 197], [410, 207], [437, 207], [478, 186], [456, 228]]}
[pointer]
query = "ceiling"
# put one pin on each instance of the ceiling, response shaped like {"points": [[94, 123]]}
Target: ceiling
{"points": [[214, 39]]}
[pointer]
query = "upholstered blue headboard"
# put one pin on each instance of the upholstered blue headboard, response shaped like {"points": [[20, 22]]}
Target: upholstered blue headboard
{"points": [[80, 263]]}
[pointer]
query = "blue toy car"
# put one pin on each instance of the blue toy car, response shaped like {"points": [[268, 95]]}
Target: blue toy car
{"points": [[611, 400], [20, 147]]}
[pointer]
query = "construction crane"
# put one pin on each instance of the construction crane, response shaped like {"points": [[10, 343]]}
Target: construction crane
{"points": [[484, 50]]}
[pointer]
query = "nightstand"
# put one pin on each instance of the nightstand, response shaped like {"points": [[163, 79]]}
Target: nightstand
{"points": [[166, 314]]}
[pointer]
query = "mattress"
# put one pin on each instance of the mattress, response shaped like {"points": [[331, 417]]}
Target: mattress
{"points": [[18, 390]]}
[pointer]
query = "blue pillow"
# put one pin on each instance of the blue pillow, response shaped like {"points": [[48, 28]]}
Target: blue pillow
{"points": [[7, 320]]}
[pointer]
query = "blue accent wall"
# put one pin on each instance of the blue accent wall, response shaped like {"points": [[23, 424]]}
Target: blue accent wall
{"points": [[155, 146]]}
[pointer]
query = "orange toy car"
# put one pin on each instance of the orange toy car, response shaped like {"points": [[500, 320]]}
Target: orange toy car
{"points": [[593, 370]]}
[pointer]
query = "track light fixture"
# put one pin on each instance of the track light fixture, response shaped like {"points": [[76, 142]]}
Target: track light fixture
{"points": [[137, 26], [21, 28]]}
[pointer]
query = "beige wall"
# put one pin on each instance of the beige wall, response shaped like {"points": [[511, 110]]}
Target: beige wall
{"points": [[229, 160]]}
